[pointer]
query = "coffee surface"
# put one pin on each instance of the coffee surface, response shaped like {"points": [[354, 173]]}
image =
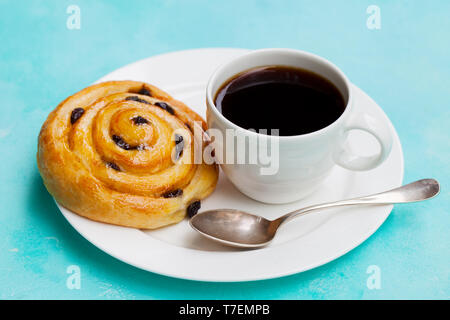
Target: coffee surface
{"points": [[295, 101]]}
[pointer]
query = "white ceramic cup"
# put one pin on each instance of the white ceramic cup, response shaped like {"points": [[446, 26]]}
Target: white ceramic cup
{"points": [[304, 160]]}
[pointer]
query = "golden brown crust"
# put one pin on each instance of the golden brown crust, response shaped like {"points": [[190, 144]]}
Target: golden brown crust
{"points": [[109, 167]]}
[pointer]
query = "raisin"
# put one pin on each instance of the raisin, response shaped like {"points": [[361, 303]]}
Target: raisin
{"points": [[137, 99], [145, 92], [76, 114], [173, 194], [193, 208], [121, 143], [166, 107], [179, 146], [139, 120], [178, 138], [112, 165]]}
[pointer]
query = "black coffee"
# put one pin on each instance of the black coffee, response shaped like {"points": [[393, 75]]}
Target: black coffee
{"points": [[295, 101]]}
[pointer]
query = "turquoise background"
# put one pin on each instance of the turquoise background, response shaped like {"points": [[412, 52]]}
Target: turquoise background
{"points": [[404, 66]]}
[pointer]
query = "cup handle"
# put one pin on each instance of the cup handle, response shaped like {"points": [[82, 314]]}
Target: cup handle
{"points": [[362, 121]]}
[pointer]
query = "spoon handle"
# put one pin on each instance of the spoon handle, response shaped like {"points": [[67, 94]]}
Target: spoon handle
{"points": [[413, 192]]}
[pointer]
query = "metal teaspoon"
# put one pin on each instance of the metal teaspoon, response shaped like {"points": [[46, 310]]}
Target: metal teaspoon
{"points": [[241, 229]]}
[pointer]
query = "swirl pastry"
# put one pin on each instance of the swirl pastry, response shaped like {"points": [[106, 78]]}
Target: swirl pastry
{"points": [[121, 152]]}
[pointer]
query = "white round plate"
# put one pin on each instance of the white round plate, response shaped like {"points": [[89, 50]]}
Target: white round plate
{"points": [[302, 244]]}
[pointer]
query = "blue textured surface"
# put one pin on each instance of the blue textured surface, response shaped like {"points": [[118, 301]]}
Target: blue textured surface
{"points": [[404, 66]]}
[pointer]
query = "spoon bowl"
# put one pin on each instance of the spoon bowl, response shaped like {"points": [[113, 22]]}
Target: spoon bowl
{"points": [[234, 227], [242, 229]]}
